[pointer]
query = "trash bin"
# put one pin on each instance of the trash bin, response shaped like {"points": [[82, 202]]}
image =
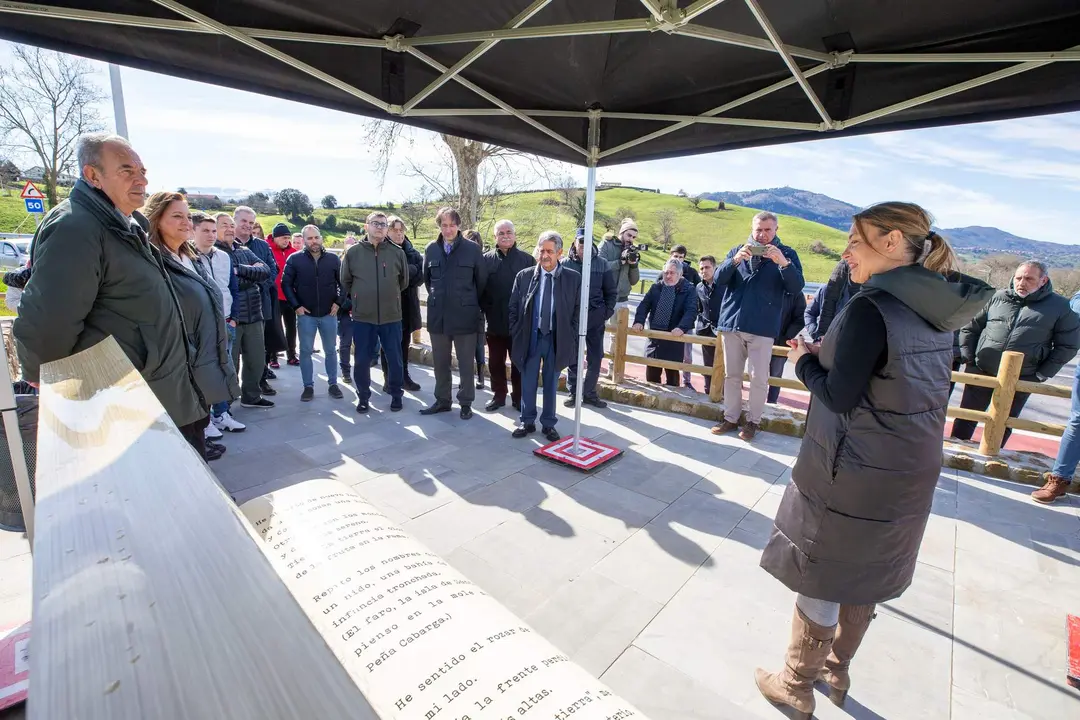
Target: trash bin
{"points": [[11, 517]]}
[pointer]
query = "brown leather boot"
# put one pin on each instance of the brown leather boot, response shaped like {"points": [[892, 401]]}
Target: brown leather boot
{"points": [[854, 620], [1055, 487], [723, 427], [794, 685]]}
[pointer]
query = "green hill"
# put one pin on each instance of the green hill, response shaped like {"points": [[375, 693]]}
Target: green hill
{"points": [[704, 230]]}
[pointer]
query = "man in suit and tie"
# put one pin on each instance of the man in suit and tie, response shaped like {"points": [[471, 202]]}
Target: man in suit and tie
{"points": [[544, 308]]}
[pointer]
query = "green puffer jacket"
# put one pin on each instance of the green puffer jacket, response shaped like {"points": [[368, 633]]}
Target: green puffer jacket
{"points": [[95, 275], [1042, 326], [374, 278]]}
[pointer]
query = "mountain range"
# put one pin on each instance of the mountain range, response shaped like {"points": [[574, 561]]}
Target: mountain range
{"points": [[971, 242]]}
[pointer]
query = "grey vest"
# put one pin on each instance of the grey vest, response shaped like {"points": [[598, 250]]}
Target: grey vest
{"points": [[850, 524]]}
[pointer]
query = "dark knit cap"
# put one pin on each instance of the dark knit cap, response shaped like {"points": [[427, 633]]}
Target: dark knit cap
{"points": [[281, 229]]}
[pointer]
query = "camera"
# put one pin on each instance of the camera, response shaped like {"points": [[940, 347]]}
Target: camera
{"points": [[632, 253]]}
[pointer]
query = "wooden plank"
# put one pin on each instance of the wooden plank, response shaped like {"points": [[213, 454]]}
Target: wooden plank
{"points": [[668, 364], [618, 347], [978, 416], [1035, 426], [781, 382], [716, 383], [1058, 391], [973, 379], [1001, 403], [151, 598], [661, 335]]}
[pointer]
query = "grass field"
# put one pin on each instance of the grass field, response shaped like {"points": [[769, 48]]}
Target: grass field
{"points": [[705, 231]]}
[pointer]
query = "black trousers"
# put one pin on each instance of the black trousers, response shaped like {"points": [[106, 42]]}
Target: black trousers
{"points": [[955, 368], [708, 355], [194, 434], [652, 374], [499, 349], [288, 318], [776, 369], [978, 398]]}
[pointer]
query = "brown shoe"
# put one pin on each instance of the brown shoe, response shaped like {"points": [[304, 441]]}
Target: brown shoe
{"points": [[1055, 487], [749, 430], [794, 685], [724, 427], [854, 620]]}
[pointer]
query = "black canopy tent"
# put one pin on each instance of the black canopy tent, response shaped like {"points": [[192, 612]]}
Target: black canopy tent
{"points": [[603, 81]]}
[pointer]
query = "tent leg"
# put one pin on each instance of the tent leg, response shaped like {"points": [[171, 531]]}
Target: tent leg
{"points": [[10, 419], [583, 315]]}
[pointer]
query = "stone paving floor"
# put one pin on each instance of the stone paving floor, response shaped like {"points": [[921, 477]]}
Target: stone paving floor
{"points": [[646, 573]]}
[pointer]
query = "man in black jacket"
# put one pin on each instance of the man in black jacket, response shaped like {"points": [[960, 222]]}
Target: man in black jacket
{"points": [[709, 299], [1029, 318], [603, 289], [455, 276], [312, 286], [247, 311], [544, 324], [411, 319], [792, 321], [691, 276], [503, 262], [829, 301], [273, 340]]}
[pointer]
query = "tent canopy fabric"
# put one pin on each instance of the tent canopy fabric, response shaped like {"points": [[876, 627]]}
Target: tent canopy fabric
{"points": [[656, 78]]}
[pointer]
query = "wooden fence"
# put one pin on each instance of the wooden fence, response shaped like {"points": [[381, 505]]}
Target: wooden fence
{"points": [[994, 420]]}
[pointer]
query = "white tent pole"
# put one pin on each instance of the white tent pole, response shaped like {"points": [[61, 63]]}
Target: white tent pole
{"points": [[10, 418], [119, 113], [583, 314]]}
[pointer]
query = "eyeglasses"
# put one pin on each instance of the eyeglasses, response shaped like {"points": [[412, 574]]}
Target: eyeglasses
{"points": [[377, 224]]}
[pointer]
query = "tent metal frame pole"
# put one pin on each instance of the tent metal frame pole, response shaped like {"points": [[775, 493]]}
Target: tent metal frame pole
{"points": [[1007, 57], [607, 27], [701, 32], [654, 9], [774, 38], [475, 54], [946, 92], [694, 9], [689, 119], [272, 52], [119, 113], [586, 274], [492, 99], [788, 82]]}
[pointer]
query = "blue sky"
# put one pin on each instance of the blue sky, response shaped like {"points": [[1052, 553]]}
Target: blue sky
{"points": [[1022, 175]]}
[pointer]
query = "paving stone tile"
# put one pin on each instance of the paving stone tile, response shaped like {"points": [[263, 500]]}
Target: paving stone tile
{"points": [[593, 619], [967, 705], [742, 487], [649, 471], [702, 518], [929, 599], [939, 543], [655, 562], [12, 544], [246, 470], [603, 507]]}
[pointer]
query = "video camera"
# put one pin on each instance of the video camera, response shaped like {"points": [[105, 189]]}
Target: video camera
{"points": [[632, 253]]}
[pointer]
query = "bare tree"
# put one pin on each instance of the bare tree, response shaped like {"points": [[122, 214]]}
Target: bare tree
{"points": [[457, 176], [567, 189], [414, 214], [695, 201], [1066, 281], [997, 270], [667, 226], [47, 100]]}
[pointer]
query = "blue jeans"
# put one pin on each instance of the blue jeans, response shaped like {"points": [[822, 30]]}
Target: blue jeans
{"points": [[217, 409], [326, 326], [1069, 450], [344, 331], [367, 336], [530, 374]]}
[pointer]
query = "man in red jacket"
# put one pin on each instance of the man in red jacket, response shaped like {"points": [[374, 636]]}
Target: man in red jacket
{"points": [[281, 246]]}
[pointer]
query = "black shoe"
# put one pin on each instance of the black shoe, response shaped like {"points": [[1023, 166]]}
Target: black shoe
{"points": [[260, 403], [495, 405], [571, 401], [522, 430], [395, 404], [595, 402], [212, 455], [269, 375], [216, 447], [386, 387], [308, 394], [335, 392], [362, 406], [411, 385], [436, 408], [551, 434], [480, 376], [466, 412], [265, 389], [346, 376]]}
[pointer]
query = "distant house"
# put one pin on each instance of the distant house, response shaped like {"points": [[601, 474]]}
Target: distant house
{"points": [[201, 201], [37, 174]]}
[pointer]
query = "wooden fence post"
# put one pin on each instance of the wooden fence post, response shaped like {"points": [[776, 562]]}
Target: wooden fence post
{"points": [[416, 338], [618, 348], [1001, 403], [716, 384]]}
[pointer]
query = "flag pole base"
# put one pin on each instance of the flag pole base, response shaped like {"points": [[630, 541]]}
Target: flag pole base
{"points": [[591, 455]]}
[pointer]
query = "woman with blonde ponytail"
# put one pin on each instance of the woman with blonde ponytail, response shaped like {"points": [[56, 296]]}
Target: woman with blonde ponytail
{"points": [[848, 530]]}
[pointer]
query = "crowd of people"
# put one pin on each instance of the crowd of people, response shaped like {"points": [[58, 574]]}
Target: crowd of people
{"points": [[204, 306]]}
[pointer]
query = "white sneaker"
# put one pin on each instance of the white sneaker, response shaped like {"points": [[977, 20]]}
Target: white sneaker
{"points": [[211, 432], [226, 423]]}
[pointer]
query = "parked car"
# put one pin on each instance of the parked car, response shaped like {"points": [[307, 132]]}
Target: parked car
{"points": [[14, 253]]}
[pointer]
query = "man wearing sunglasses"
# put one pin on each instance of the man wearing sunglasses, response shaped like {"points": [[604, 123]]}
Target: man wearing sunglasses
{"points": [[374, 273]]}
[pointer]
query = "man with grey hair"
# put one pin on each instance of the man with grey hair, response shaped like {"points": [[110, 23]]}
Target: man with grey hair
{"points": [[754, 278], [1028, 317], [670, 305], [504, 262], [96, 274], [273, 338], [543, 316]]}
